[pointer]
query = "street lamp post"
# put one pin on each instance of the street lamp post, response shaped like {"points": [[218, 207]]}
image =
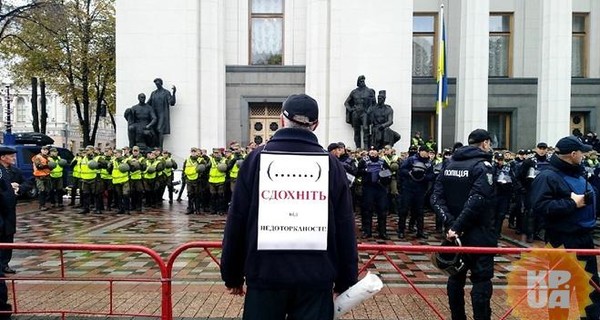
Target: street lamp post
{"points": [[9, 138]]}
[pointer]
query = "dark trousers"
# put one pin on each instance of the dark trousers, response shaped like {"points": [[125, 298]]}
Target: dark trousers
{"points": [[296, 304], [502, 206], [413, 201], [581, 241], [6, 254], [482, 271], [374, 197]]}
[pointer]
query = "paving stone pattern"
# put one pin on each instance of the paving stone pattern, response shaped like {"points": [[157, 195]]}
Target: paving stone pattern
{"points": [[197, 289]]}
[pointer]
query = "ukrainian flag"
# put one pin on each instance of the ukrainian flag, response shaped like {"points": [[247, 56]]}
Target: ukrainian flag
{"points": [[442, 77]]}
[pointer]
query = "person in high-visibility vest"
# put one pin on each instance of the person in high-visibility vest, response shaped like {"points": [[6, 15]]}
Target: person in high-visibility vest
{"points": [[192, 177], [76, 181], [41, 172], [234, 163], [217, 175], [88, 179], [137, 164], [56, 180], [170, 166], [150, 176], [105, 182], [120, 181]]}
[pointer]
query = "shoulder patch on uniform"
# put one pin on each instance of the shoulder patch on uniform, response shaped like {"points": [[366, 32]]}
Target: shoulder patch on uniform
{"points": [[487, 163], [490, 179]]}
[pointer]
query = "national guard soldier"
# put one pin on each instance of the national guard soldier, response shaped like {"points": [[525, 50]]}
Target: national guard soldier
{"points": [[41, 172], [76, 182], [170, 165], [516, 219], [216, 181], [415, 173], [56, 178], [137, 165], [234, 164], [102, 178], [105, 180], [390, 157], [529, 170], [463, 196], [150, 176], [193, 166], [87, 167], [119, 170], [376, 176]]}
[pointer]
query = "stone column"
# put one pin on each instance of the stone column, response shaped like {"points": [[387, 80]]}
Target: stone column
{"points": [[554, 76], [347, 38], [211, 76], [472, 80]]}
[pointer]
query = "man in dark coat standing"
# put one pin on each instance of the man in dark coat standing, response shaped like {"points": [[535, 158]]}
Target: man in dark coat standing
{"points": [[289, 273], [11, 184]]}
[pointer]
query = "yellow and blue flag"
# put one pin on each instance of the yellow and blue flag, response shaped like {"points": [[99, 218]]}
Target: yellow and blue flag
{"points": [[442, 76]]}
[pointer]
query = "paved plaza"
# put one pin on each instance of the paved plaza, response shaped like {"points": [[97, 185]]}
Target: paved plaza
{"points": [[197, 290]]}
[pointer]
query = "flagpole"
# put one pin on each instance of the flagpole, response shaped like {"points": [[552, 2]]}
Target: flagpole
{"points": [[440, 84]]}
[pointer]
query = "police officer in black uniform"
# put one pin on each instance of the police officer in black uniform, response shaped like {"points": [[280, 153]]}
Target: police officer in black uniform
{"points": [[415, 173], [530, 168], [376, 175], [506, 182], [463, 195]]}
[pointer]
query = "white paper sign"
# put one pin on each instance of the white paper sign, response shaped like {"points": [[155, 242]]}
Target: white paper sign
{"points": [[293, 201]]}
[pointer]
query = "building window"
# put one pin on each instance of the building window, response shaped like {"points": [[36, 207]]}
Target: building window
{"points": [[424, 26], [21, 111], [266, 32], [579, 48], [424, 122], [500, 45], [499, 124]]}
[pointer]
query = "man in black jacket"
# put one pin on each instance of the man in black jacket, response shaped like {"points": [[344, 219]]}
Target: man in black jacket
{"points": [[295, 279], [566, 203], [463, 196], [11, 184]]}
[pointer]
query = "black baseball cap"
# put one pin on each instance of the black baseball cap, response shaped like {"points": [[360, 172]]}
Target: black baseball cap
{"points": [[569, 144], [542, 145], [301, 108], [423, 148], [522, 152], [479, 135]]}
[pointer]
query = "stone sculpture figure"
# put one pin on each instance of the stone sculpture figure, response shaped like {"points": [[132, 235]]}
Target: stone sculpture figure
{"points": [[161, 100], [141, 120], [381, 118], [357, 107]]}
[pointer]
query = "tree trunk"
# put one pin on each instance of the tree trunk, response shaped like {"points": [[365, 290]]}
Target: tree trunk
{"points": [[44, 115], [34, 107]]}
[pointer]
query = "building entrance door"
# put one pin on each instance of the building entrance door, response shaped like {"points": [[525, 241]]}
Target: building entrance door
{"points": [[264, 120]]}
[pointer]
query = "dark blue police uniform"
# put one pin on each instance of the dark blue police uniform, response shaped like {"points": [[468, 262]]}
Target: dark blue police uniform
{"points": [[463, 196]]}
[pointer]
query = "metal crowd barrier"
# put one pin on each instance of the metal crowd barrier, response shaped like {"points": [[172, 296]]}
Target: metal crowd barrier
{"points": [[61, 248], [166, 269]]}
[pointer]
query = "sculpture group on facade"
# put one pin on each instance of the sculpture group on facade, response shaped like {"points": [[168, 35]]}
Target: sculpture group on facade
{"points": [[371, 119], [148, 121]]}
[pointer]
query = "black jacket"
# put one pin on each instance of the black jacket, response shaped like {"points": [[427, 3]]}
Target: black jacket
{"points": [[8, 199], [463, 195], [270, 269], [551, 197]]}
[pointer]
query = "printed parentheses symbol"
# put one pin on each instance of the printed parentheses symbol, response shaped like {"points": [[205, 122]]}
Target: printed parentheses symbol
{"points": [[319, 175], [269, 170]]}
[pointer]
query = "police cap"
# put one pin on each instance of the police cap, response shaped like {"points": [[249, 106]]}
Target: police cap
{"points": [[4, 150], [569, 144], [479, 135]]}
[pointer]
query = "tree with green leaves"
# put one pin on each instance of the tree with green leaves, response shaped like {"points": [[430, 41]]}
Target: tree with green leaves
{"points": [[70, 44], [10, 12]]}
